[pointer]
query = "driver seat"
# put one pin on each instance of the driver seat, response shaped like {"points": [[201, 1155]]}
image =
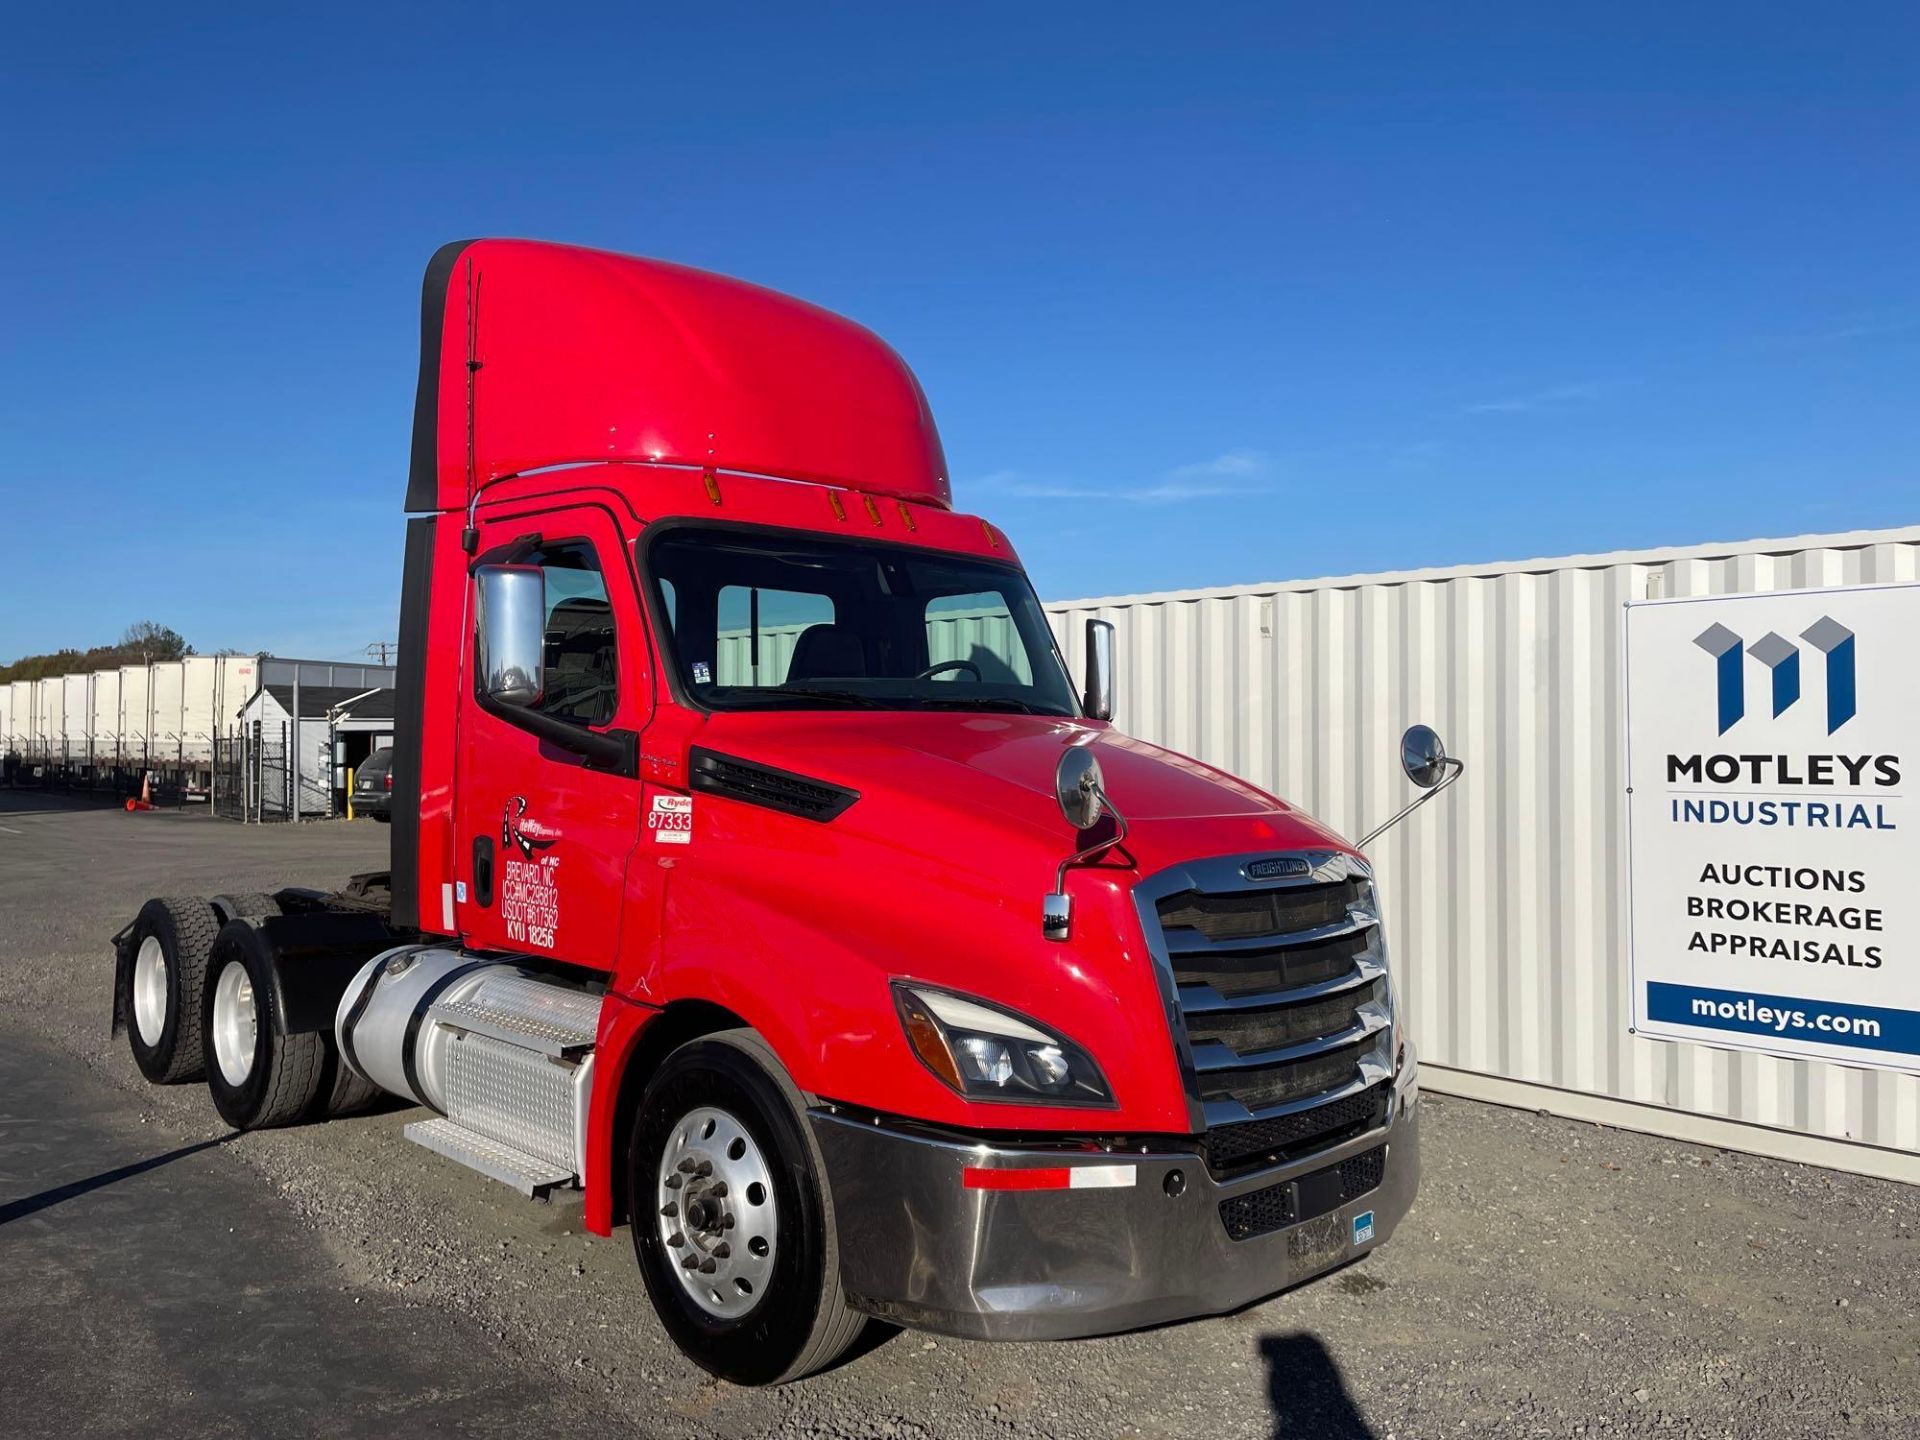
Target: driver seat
{"points": [[827, 652]]}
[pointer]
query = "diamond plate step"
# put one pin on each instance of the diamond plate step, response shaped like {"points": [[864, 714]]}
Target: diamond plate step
{"points": [[557, 1023], [532, 1177]]}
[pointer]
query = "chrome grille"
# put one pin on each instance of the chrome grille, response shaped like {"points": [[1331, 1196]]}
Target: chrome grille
{"points": [[1278, 991]]}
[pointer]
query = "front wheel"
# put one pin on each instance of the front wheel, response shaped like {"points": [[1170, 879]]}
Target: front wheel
{"points": [[732, 1221]]}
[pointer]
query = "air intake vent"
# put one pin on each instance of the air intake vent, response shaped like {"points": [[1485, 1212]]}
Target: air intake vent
{"points": [[1273, 1207], [755, 784]]}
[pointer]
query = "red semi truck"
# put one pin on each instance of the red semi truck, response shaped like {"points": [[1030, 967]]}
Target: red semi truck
{"points": [[758, 869]]}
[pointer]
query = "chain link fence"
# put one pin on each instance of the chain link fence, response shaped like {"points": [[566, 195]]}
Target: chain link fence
{"points": [[165, 779]]}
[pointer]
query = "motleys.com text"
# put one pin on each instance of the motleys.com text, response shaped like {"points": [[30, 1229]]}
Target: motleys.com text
{"points": [[1783, 1020]]}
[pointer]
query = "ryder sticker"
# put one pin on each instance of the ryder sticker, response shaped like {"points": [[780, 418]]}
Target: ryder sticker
{"points": [[671, 819]]}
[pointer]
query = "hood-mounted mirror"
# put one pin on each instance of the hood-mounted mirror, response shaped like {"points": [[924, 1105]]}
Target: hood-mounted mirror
{"points": [[1082, 792], [1079, 786], [1428, 765]]}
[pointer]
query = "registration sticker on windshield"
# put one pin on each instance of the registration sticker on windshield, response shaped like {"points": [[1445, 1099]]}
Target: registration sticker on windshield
{"points": [[671, 819]]}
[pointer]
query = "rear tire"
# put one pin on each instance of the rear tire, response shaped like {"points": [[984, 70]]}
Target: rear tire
{"points": [[345, 1091], [798, 1320], [250, 905], [160, 992], [259, 1076]]}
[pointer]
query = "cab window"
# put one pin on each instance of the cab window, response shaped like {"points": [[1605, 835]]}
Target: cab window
{"points": [[581, 659]]}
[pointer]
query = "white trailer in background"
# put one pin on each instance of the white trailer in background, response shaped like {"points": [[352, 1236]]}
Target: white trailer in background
{"points": [[21, 697], [167, 707], [50, 720], [136, 712], [164, 717], [76, 708], [105, 726]]}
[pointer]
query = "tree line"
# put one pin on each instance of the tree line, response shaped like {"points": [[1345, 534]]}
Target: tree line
{"points": [[141, 644]]}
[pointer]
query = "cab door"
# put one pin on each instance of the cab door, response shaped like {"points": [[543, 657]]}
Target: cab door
{"points": [[543, 833]]}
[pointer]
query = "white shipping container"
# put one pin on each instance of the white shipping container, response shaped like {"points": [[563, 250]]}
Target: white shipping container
{"points": [[1505, 898], [7, 743]]}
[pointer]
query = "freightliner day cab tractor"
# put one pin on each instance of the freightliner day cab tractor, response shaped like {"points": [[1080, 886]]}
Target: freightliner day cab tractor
{"points": [[758, 869]]}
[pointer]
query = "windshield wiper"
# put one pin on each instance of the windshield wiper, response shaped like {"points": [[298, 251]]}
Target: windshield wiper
{"points": [[849, 698], [988, 702]]}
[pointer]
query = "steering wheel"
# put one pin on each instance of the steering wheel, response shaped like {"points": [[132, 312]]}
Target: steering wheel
{"points": [[946, 665]]}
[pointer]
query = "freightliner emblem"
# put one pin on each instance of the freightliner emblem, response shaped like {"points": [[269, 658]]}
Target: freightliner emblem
{"points": [[1280, 867]]}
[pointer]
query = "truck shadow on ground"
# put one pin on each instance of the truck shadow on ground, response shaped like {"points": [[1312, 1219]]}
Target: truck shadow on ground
{"points": [[1307, 1395], [27, 1205]]}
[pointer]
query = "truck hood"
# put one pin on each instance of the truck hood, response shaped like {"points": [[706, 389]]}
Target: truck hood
{"points": [[1002, 763]]}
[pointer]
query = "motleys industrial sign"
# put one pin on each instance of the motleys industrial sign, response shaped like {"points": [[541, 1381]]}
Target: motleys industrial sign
{"points": [[1775, 850]]}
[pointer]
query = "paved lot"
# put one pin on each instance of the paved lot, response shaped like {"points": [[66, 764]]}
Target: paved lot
{"points": [[162, 1277]]}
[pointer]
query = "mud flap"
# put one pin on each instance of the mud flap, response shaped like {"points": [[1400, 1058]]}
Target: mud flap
{"points": [[122, 968]]}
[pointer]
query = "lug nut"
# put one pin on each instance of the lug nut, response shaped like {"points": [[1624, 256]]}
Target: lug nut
{"points": [[723, 1251], [689, 1262], [669, 1210], [674, 1182], [718, 1190], [707, 1267], [687, 1166], [676, 1239]]}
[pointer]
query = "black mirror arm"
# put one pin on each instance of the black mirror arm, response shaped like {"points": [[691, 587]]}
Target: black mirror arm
{"points": [[615, 751]]}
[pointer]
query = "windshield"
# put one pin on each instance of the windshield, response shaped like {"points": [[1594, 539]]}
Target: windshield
{"points": [[766, 620]]}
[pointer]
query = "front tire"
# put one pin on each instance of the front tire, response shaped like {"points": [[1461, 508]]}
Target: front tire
{"points": [[722, 1157], [259, 1076], [160, 995]]}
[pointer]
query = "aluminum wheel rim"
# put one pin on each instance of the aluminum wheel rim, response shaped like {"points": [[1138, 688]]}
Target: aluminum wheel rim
{"points": [[716, 1212], [236, 1023], [150, 990]]}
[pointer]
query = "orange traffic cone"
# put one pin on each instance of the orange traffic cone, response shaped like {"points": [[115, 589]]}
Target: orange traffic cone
{"points": [[145, 802]]}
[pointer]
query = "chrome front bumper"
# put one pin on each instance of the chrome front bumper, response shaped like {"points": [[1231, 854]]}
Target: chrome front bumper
{"points": [[921, 1248]]}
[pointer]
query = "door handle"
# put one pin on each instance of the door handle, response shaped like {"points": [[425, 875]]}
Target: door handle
{"points": [[483, 870]]}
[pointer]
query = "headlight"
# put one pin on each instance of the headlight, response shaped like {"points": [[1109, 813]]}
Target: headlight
{"points": [[987, 1053]]}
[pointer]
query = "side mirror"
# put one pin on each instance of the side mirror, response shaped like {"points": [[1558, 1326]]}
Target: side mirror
{"points": [[1098, 700], [1422, 756], [512, 634]]}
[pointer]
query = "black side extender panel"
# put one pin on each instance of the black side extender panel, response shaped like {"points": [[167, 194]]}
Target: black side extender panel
{"points": [[755, 784]]}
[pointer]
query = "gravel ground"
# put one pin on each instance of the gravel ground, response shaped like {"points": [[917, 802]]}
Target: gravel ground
{"points": [[1555, 1279]]}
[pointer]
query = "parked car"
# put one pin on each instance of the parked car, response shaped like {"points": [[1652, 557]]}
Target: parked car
{"points": [[373, 784]]}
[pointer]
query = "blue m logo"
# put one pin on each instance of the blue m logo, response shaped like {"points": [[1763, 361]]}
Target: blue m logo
{"points": [[1782, 659]]}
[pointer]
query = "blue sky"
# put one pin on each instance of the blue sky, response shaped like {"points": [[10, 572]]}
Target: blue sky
{"points": [[1201, 294]]}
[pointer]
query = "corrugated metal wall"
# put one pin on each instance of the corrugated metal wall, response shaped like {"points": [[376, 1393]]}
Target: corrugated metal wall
{"points": [[1505, 897]]}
